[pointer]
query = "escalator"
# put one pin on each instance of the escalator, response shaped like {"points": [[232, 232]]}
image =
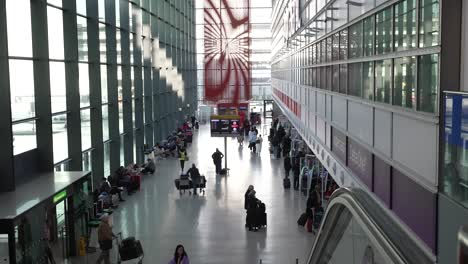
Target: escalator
{"points": [[356, 229]]}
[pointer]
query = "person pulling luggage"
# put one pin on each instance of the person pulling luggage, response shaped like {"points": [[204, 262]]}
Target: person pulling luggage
{"points": [[217, 159], [194, 173], [105, 236]]}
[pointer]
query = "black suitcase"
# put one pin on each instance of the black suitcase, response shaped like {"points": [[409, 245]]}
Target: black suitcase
{"points": [[197, 126], [130, 249], [302, 219], [223, 172], [262, 219], [286, 183]]}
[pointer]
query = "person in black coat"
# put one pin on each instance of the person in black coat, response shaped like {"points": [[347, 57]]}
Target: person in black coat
{"points": [[252, 208], [246, 196], [287, 165], [296, 167]]}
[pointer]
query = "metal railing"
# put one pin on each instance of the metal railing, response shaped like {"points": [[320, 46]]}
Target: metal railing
{"points": [[395, 241]]}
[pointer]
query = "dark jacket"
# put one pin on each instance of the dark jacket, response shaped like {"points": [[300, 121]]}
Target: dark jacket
{"points": [[287, 164], [217, 156], [194, 173], [246, 199], [314, 200]]}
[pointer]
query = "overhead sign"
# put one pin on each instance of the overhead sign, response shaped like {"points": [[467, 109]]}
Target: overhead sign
{"points": [[225, 126]]}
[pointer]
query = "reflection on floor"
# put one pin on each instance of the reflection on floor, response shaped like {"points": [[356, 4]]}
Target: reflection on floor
{"points": [[211, 227]]}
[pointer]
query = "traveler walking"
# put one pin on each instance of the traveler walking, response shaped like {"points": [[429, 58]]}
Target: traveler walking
{"points": [[180, 256], [182, 157], [259, 144], [217, 159], [105, 236]]}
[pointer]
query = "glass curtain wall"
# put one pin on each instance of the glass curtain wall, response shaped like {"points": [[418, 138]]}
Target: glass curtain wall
{"points": [[106, 74]]}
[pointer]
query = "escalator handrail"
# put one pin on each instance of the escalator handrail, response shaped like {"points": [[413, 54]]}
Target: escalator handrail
{"points": [[396, 240]]}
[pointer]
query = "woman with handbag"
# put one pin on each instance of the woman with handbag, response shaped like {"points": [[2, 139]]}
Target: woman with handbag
{"points": [[105, 237]]}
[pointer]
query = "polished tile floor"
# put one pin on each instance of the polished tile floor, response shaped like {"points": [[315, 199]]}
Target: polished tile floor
{"points": [[211, 227]]}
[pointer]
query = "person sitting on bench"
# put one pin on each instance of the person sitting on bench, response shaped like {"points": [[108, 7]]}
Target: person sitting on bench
{"points": [[150, 167], [108, 188]]}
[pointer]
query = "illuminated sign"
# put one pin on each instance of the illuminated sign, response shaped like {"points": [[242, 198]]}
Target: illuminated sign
{"points": [[225, 126], [60, 196]]}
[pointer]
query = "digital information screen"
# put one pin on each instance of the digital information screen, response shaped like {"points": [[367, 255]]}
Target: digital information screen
{"points": [[225, 126]]}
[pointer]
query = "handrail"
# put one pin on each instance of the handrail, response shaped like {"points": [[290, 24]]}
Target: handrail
{"points": [[463, 245], [390, 236]]}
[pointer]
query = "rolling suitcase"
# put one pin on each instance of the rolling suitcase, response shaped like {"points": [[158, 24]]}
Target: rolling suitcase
{"points": [[263, 219], [302, 219], [286, 183], [130, 248]]}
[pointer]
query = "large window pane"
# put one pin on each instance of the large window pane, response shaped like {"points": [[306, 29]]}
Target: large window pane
{"points": [[343, 78], [87, 161], [57, 86], [121, 117], [355, 79], [107, 159], [55, 33], [429, 23], [368, 80], [85, 129], [383, 81], [428, 83], [336, 78], [24, 137], [19, 28], [122, 159], [336, 47], [405, 25], [355, 40], [81, 7], [102, 42], [102, 10], [105, 122], [369, 36], [83, 69], [104, 83], [22, 89], [344, 44], [405, 76], [383, 34], [82, 38], [55, 2], [60, 138]]}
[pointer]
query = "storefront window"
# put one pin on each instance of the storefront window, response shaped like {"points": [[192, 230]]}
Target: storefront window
{"points": [[355, 79], [383, 34], [429, 12], [368, 80], [355, 40], [383, 81], [405, 76], [405, 25], [428, 83], [369, 36]]}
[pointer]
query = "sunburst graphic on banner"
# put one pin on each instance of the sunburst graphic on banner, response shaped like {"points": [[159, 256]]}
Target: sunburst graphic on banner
{"points": [[227, 72]]}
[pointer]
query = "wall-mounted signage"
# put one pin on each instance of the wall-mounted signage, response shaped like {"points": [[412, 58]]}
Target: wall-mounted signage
{"points": [[59, 196], [225, 126], [360, 162]]}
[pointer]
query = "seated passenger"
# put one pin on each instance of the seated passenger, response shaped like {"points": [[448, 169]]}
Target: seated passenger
{"points": [[150, 167], [107, 187]]}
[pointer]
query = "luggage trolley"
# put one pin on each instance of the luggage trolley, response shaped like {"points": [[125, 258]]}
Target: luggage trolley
{"points": [[129, 249], [183, 183]]}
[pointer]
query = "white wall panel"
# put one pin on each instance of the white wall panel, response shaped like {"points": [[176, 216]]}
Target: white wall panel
{"points": [[360, 120], [329, 106], [383, 132], [339, 112], [321, 104], [415, 146], [321, 130]]}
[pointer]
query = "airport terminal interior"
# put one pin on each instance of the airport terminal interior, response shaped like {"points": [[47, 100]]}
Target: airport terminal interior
{"points": [[233, 131]]}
